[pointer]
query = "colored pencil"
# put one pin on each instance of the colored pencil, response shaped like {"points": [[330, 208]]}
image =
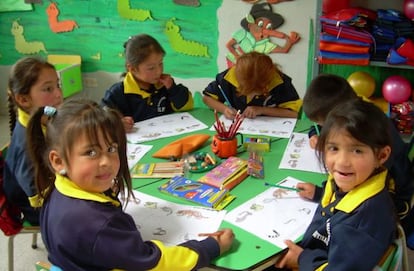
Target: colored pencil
{"points": [[224, 95], [283, 187], [317, 129], [217, 234]]}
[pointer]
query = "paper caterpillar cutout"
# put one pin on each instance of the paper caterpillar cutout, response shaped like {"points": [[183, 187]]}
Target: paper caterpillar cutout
{"points": [[125, 11], [55, 25], [180, 45], [22, 46]]}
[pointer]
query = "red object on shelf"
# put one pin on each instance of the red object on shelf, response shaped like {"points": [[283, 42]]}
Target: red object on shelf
{"points": [[334, 5]]}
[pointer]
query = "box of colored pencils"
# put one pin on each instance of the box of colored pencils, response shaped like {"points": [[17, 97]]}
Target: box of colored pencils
{"points": [[259, 143]]}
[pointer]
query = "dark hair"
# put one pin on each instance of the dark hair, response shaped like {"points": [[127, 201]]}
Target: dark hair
{"points": [[23, 75], [364, 121], [139, 47], [325, 92], [73, 118], [264, 10], [254, 71]]}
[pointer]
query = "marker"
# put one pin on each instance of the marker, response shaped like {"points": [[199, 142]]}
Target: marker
{"points": [[282, 187], [225, 97]]}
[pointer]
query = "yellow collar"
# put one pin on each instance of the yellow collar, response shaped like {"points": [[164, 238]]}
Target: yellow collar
{"points": [[131, 86], [70, 189], [23, 117], [231, 78], [356, 196]]}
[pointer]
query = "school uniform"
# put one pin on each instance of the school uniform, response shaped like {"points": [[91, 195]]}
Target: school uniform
{"points": [[18, 185], [401, 185], [90, 231], [350, 231], [140, 104], [282, 92]]}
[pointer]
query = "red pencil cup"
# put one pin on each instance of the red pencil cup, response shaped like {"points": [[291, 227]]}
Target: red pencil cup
{"points": [[226, 147]]}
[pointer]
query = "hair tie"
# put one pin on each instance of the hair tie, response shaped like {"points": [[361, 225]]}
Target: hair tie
{"points": [[49, 111]]}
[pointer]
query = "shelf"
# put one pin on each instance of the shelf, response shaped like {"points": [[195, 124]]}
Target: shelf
{"points": [[385, 64]]}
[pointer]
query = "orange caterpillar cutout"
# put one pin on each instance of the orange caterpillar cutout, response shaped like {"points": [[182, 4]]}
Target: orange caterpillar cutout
{"points": [[56, 26]]}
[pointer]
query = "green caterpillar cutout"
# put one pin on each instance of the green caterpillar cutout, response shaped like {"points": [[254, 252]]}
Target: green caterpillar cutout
{"points": [[125, 11], [180, 45]]}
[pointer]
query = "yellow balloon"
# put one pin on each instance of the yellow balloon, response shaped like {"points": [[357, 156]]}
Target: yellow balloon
{"points": [[362, 83]]}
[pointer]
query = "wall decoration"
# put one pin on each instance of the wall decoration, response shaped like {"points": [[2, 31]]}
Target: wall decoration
{"points": [[21, 45], [180, 45], [103, 30], [55, 25], [14, 5], [259, 26], [125, 11]]}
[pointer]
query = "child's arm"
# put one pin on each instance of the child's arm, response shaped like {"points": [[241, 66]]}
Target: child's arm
{"points": [[214, 104], [180, 97], [224, 238], [253, 111]]}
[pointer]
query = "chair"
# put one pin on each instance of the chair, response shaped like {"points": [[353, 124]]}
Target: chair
{"points": [[396, 258], [27, 228]]}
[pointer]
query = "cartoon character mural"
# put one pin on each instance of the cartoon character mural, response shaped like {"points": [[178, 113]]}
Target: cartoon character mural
{"points": [[259, 26]]}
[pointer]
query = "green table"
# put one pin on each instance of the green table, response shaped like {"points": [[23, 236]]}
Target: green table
{"points": [[248, 252]]}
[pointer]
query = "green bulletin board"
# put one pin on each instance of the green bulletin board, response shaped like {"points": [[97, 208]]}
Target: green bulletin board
{"points": [[102, 26]]}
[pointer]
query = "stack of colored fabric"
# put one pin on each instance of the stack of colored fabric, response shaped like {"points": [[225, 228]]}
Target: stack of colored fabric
{"points": [[346, 37], [389, 26]]}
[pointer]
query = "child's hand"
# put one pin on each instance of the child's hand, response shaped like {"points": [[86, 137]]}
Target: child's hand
{"points": [[166, 80], [251, 112], [128, 124], [313, 140], [224, 238], [229, 113], [290, 259], [306, 190]]}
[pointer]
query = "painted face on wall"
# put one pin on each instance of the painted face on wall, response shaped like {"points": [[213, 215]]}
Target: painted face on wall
{"points": [[261, 28]]}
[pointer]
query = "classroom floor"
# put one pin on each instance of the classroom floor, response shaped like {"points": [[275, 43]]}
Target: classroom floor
{"points": [[24, 256]]}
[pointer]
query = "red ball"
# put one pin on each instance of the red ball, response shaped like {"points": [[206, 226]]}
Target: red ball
{"points": [[396, 89], [409, 9]]}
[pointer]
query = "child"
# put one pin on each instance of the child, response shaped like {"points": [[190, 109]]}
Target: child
{"points": [[255, 86], [354, 223], [33, 83], [326, 92], [146, 92], [83, 169]]}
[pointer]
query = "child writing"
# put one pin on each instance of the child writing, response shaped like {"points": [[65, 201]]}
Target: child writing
{"points": [[348, 232], [256, 87], [83, 169], [146, 91], [32, 83], [326, 92]]}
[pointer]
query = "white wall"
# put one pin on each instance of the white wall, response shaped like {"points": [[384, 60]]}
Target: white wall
{"points": [[297, 15]]}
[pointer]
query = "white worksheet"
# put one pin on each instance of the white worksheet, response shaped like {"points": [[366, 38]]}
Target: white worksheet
{"points": [[169, 222], [275, 215], [164, 126], [263, 125], [299, 155], [135, 152]]}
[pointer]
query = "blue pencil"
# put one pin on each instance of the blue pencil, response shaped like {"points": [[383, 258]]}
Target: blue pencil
{"points": [[224, 95]]}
